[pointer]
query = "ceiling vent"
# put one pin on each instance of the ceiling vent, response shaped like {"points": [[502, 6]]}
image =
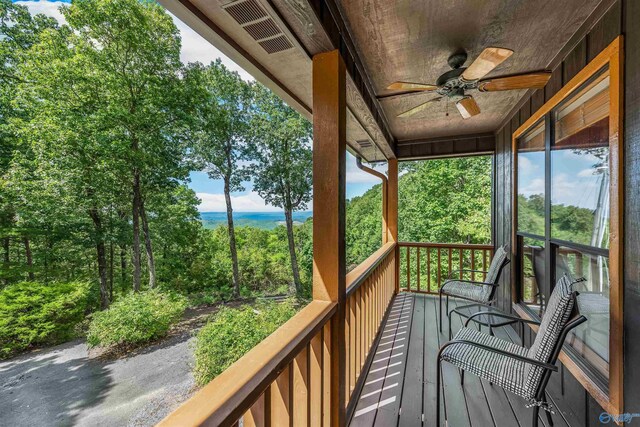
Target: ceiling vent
{"points": [[365, 143], [252, 17]]}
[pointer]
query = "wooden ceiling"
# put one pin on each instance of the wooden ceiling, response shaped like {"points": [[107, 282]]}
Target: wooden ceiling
{"points": [[389, 40], [411, 40]]}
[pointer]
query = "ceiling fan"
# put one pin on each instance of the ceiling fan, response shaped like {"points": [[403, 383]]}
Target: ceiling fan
{"points": [[455, 82]]}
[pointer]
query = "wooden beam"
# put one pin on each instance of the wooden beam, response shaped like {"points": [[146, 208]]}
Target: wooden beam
{"points": [[329, 171], [330, 17], [392, 214], [450, 146]]}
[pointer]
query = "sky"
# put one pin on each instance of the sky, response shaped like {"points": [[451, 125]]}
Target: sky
{"points": [[196, 48]]}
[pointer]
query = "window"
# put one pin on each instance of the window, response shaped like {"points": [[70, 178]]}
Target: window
{"points": [[568, 217]]}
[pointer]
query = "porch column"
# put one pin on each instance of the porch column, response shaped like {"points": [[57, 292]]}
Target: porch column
{"points": [[392, 212], [329, 170]]}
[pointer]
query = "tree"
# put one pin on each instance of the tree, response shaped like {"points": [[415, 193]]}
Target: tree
{"points": [[217, 134], [282, 168], [18, 32], [135, 47]]}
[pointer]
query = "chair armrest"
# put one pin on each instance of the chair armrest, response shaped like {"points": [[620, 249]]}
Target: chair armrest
{"points": [[503, 315], [464, 270], [525, 359]]}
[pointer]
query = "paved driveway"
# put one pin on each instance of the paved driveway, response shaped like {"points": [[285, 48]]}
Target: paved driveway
{"points": [[62, 386]]}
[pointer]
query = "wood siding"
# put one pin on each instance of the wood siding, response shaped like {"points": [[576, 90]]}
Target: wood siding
{"points": [[578, 407]]}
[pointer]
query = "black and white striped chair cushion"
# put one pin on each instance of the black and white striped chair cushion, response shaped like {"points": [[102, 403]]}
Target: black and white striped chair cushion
{"points": [[479, 293], [504, 371], [464, 290], [519, 377], [555, 317]]}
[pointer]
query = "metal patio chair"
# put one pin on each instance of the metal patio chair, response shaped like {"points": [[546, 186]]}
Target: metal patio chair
{"points": [[480, 292], [524, 372]]}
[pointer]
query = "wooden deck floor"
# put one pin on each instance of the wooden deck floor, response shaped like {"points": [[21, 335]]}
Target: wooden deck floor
{"points": [[401, 383]]}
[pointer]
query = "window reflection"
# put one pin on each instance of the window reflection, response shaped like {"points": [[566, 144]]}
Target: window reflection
{"points": [[591, 339], [532, 261], [531, 181], [580, 167]]}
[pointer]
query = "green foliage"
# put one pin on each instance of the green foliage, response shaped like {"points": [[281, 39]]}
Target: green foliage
{"points": [[232, 332], [36, 314], [136, 318]]}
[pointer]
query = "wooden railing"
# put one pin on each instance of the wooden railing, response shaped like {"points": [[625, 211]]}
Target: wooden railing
{"points": [[425, 266], [370, 289], [286, 379]]}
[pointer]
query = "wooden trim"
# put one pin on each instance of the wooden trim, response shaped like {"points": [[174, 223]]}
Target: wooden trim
{"points": [[392, 214], [612, 56], [445, 245], [358, 275], [329, 172], [223, 401]]}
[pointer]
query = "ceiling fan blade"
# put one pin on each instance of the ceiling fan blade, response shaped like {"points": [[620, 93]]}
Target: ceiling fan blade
{"points": [[411, 86], [489, 59], [468, 107], [419, 108], [535, 80]]}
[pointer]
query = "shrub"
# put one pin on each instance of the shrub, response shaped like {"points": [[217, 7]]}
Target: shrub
{"points": [[136, 318], [35, 314], [234, 331]]}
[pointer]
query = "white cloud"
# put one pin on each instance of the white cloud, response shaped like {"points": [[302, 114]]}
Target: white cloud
{"points": [[586, 173], [49, 8], [526, 166], [250, 202]]}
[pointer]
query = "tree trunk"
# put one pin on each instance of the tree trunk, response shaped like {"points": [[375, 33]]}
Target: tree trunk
{"points": [[123, 265], [6, 243], [288, 214], [111, 271], [148, 247], [102, 258], [29, 257], [135, 213], [232, 240]]}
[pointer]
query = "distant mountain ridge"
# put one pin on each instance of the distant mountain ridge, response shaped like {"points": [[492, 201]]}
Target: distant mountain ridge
{"points": [[264, 220]]}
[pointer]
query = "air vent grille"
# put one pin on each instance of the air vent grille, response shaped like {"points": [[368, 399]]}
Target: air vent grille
{"points": [[245, 11], [262, 29], [252, 17], [365, 143], [277, 44]]}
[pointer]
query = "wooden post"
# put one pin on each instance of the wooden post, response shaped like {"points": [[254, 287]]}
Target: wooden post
{"points": [[329, 170], [392, 214]]}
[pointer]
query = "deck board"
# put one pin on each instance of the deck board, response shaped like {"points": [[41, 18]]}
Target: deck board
{"points": [[400, 388]]}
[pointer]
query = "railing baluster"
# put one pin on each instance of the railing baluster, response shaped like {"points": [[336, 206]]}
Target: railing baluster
{"points": [[408, 268], [301, 388], [473, 264], [326, 375], [280, 405], [439, 268], [418, 263], [450, 255], [315, 380], [460, 262], [428, 269]]}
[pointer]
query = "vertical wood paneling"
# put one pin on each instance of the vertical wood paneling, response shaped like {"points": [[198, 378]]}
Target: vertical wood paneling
{"points": [[605, 31], [554, 84], [632, 206], [575, 61]]}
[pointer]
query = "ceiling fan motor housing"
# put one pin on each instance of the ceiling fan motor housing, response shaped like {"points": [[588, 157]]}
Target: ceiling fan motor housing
{"points": [[452, 84]]}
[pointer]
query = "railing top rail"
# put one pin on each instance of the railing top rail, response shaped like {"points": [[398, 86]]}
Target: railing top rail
{"points": [[229, 395], [445, 245], [358, 275]]}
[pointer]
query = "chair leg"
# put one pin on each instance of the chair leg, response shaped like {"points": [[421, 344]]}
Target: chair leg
{"points": [[462, 377], [534, 422], [439, 367], [549, 417], [449, 320], [440, 312], [490, 330]]}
